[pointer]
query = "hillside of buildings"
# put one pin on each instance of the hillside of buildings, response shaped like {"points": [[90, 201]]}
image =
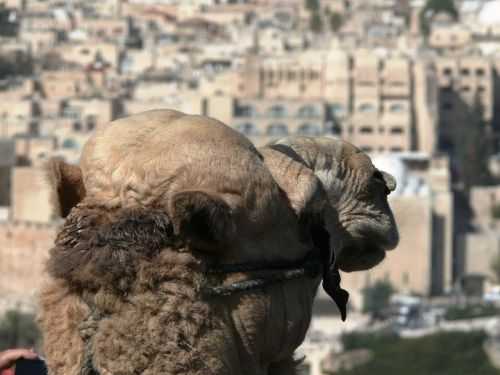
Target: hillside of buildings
{"points": [[414, 83]]}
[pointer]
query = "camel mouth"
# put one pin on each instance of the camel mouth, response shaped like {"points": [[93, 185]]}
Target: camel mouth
{"points": [[360, 257]]}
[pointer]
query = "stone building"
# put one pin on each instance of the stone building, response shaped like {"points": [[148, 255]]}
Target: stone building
{"points": [[380, 103], [481, 245], [24, 250], [466, 85], [30, 196]]}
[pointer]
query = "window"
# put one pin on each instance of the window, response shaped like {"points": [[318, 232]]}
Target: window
{"points": [[397, 108], [381, 129], [396, 149], [366, 130], [77, 126], [246, 111], [397, 130], [309, 129], [481, 89], [277, 130], [366, 107], [308, 111], [465, 88], [480, 72], [291, 75], [277, 111], [337, 110], [447, 71], [366, 149], [465, 71], [247, 129], [69, 143]]}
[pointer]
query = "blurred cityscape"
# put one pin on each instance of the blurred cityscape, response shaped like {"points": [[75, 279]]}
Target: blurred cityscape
{"points": [[414, 83]]}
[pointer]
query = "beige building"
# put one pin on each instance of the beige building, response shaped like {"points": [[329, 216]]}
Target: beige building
{"points": [[63, 84], [465, 83], [450, 39], [481, 245], [85, 53], [379, 103], [30, 196], [24, 251]]}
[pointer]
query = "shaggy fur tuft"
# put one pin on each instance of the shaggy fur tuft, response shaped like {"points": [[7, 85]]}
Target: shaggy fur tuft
{"points": [[96, 249]]}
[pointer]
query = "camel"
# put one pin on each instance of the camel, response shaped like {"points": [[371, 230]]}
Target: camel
{"points": [[179, 254], [185, 250]]}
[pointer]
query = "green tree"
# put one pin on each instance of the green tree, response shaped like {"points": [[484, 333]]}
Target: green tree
{"points": [[312, 5], [316, 23], [376, 297], [432, 7], [335, 21], [18, 329]]}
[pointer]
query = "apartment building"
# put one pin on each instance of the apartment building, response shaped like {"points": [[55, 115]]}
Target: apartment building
{"points": [[380, 103], [466, 92]]}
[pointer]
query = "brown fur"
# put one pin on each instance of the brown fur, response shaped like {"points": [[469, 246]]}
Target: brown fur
{"points": [[62, 312], [97, 249], [167, 195]]}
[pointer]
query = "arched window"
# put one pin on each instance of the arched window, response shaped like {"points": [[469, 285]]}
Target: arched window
{"points": [[69, 143], [277, 130], [248, 129], [309, 129], [366, 107], [277, 111], [307, 111]]}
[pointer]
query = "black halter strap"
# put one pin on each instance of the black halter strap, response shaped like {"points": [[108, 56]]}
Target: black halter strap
{"points": [[275, 272]]}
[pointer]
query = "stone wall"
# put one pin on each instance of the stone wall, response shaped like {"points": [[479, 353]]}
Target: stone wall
{"points": [[24, 248]]}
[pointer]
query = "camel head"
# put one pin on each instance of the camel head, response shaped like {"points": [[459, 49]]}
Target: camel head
{"points": [[361, 223], [161, 204]]}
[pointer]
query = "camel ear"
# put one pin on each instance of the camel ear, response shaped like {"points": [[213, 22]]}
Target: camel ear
{"points": [[302, 187], [66, 182], [203, 219]]}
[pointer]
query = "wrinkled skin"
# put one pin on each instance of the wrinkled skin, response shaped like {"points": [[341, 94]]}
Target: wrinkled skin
{"points": [[140, 179], [361, 224]]}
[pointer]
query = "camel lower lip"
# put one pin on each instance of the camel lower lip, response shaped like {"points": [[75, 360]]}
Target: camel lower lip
{"points": [[351, 260]]}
